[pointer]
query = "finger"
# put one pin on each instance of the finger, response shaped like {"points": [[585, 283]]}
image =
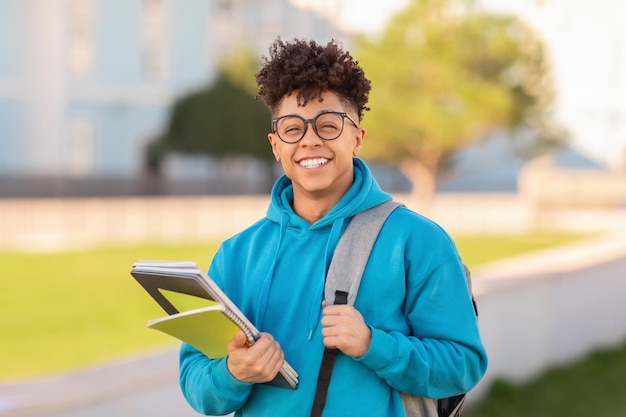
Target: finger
{"points": [[276, 362], [272, 353], [337, 310], [269, 362], [263, 342], [331, 342], [264, 349]]}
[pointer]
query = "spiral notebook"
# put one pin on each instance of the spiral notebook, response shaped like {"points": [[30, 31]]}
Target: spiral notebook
{"points": [[218, 326], [208, 328]]}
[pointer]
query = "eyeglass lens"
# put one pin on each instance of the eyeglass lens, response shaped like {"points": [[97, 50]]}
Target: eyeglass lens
{"points": [[328, 126]]}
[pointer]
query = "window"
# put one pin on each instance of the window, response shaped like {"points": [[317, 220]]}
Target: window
{"points": [[80, 148], [80, 37], [154, 25]]}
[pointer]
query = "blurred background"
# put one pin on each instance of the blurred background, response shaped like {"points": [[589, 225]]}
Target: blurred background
{"points": [[131, 121]]}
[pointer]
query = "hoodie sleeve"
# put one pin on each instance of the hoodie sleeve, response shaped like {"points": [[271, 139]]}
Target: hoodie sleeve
{"points": [[207, 384], [439, 352]]}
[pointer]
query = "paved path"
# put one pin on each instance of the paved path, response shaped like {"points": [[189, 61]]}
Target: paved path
{"points": [[144, 386], [148, 385]]}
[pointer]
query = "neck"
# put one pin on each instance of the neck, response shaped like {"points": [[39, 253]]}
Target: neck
{"points": [[311, 209]]}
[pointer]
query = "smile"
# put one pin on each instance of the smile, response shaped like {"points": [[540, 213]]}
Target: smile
{"points": [[313, 163]]}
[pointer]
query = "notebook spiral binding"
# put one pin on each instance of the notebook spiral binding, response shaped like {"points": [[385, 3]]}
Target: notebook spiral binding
{"points": [[252, 337]]}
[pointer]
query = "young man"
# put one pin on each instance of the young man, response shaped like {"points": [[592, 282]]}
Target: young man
{"points": [[412, 328]]}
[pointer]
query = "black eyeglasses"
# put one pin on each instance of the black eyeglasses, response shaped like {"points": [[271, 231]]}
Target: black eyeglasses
{"points": [[327, 125]]}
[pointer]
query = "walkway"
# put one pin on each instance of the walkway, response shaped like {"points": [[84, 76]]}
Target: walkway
{"points": [[145, 386]]}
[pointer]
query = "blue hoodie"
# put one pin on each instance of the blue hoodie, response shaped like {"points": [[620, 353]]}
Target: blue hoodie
{"points": [[413, 295]]}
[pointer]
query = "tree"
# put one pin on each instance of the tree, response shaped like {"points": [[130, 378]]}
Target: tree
{"points": [[221, 120], [445, 74]]}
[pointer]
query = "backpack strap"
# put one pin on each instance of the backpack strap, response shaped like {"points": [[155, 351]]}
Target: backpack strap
{"points": [[468, 278], [353, 251], [344, 277]]}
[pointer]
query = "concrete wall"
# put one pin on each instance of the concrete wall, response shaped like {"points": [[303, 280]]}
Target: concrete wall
{"points": [[541, 311], [546, 185], [51, 224]]}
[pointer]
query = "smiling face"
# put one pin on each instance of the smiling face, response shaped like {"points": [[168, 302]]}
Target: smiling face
{"points": [[321, 170]]}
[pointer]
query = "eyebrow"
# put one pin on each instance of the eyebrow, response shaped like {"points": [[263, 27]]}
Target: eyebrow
{"points": [[318, 113]]}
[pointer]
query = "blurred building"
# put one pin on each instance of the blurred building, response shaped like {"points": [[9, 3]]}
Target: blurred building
{"points": [[84, 84]]}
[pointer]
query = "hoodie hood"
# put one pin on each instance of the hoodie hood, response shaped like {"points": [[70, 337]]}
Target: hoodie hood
{"points": [[363, 194]]}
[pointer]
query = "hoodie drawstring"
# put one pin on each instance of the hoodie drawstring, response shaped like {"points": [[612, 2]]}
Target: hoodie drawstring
{"points": [[316, 306], [267, 282]]}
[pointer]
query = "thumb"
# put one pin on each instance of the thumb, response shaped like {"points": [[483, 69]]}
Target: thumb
{"points": [[238, 342], [240, 339]]}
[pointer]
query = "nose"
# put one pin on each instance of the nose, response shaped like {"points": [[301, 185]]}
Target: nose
{"points": [[310, 135]]}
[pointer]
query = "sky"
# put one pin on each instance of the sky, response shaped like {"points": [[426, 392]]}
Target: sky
{"points": [[368, 16]]}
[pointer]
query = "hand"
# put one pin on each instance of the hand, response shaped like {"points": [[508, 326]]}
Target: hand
{"points": [[257, 363], [345, 329]]}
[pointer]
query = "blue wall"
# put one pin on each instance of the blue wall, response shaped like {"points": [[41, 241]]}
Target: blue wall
{"points": [[11, 36], [117, 32], [188, 44], [11, 64], [119, 132], [11, 121]]}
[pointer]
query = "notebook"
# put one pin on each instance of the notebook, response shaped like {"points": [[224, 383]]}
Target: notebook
{"points": [[208, 328]]}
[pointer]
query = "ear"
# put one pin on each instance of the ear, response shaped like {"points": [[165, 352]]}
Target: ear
{"points": [[274, 143], [360, 134]]}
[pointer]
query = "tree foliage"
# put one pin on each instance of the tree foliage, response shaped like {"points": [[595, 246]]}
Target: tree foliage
{"points": [[445, 74], [240, 68], [223, 119]]}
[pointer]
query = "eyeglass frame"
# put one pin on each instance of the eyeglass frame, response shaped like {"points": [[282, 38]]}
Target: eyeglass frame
{"points": [[306, 122]]}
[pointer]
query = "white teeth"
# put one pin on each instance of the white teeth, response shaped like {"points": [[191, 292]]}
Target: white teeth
{"points": [[313, 163]]}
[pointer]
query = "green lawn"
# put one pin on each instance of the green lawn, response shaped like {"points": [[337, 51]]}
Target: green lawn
{"points": [[62, 311], [592, 387]]}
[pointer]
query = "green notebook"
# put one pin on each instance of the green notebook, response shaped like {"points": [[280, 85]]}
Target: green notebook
{"points": [[208, 329]]}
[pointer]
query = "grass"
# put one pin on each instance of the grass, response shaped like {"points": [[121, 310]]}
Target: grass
{"points": [[63, 311], [591, 387], [477, 250]]}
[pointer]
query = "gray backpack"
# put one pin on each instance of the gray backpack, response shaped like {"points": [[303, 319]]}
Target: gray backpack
{"points": [[342, 285]]}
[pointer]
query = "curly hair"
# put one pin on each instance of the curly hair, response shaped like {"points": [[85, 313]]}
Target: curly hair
{"points": [[311, 70]]}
